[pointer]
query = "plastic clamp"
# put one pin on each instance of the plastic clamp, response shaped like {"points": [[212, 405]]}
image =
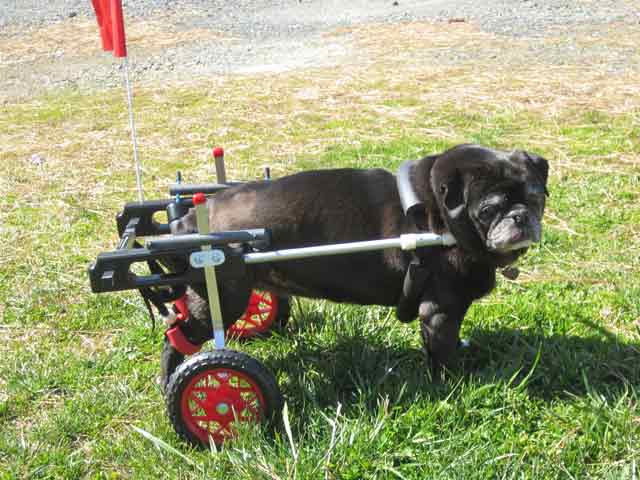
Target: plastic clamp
{"points": [[180, 342], [181, 308]]}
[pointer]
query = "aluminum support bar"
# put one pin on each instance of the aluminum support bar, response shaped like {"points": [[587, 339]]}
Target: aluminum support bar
{"points": [[409, 241], [202, 219], [192, 240]]}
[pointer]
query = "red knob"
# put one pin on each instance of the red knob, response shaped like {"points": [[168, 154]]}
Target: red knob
{"points": [[199, 198], [218, 152]]}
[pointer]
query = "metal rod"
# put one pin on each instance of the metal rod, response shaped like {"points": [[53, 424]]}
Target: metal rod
{"points": [[192, 240], [218, 156], [127, 241], [409, 241], [191, 188], [132, 126], [202, 219], [221, 173]]}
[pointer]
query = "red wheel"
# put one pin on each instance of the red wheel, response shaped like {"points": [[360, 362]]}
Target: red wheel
{"points": [[263, 311], [212, 392], [214, 400]]}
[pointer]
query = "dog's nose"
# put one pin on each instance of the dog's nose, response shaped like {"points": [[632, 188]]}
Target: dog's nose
{"points": [[520, 218]]}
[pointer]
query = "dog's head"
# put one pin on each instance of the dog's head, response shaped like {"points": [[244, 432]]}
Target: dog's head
{"points": [[491, 201]]}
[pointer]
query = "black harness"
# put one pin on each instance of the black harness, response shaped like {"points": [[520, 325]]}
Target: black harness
{"points": [[417, 274]]}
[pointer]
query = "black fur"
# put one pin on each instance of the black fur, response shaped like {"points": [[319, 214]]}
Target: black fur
{"points": [[345, 205]]}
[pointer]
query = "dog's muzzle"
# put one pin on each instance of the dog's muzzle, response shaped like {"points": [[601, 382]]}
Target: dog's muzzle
{"points": [[517, 231]]}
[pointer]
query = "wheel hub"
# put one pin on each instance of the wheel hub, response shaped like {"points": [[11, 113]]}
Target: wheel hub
{"points": [[217, 399]]}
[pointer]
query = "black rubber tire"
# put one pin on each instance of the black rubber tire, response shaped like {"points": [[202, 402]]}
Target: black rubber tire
{"points": [[284, 312], [170, 359], [229, 359]]}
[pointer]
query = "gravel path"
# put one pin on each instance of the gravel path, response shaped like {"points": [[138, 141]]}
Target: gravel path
{"points": [[265, 35], [260, 19]]}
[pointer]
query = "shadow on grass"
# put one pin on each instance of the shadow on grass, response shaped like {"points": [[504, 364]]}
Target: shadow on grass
{"points": [[355, 370], [567, 364]]}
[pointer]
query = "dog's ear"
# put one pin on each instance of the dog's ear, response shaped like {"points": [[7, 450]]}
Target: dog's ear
{"points": [[452, 192], [448, 182], [539, 166]]}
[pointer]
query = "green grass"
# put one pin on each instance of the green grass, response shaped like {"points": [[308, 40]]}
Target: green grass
{"points": [[549, 388]]}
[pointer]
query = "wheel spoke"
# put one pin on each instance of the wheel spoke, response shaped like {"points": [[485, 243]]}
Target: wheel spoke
{"points": [[224, 427], [199, 402], [207, 417], [222, 377], [266, 299], [239, 325], [246, 389], [253, 410], [205, 390], [251, 321]]}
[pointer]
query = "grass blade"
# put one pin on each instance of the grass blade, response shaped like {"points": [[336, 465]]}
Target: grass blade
{"points": [[162, 445]]}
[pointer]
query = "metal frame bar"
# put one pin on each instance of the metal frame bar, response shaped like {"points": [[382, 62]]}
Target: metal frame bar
{"points": [[202, 218], [192, 240], [409, 241], [193, 188], [111, 271]]}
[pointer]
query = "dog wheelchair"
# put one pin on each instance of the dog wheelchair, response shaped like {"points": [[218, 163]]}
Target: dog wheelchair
{"points": [[208, 393]]}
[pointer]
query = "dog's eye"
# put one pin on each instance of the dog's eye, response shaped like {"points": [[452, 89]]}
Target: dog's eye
{"points": [[487, 212]]}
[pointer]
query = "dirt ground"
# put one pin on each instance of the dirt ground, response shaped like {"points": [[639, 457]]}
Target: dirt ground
{"points": [[56, 45]]}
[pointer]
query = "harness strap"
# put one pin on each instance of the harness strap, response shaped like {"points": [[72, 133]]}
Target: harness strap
{"points": [[151, 297], [417, 274], [174, 334]]}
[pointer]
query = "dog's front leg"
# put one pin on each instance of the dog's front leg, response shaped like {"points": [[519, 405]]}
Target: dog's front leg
{"points": [[440, 323], [412, 289]]}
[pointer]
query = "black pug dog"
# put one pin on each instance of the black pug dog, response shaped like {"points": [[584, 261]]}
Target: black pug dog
{"points": [[491, 201]]}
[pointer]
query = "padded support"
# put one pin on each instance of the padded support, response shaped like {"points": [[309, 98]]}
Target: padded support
{"points": [[411, 204]]}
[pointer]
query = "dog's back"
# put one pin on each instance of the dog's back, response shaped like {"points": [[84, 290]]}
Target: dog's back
{"points": [[318, 208], [314, 207]]}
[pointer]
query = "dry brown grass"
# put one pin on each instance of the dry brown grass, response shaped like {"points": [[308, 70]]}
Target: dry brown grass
{"points": [[378, 93], [77, 38], [458, 64]]}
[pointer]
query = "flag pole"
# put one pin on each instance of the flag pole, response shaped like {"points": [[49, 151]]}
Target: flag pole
{"points": [[111, 22], [132, 127]]}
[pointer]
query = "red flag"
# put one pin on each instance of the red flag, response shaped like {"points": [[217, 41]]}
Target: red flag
{"points": [[117, 22], [111, 22]]}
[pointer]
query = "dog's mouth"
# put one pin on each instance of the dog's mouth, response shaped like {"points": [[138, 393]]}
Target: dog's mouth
{"points": [[507, 237], [511, 247]]}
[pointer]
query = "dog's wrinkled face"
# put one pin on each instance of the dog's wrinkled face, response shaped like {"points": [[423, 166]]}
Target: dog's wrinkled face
{"points": [[509, 216], [492, 201]]}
